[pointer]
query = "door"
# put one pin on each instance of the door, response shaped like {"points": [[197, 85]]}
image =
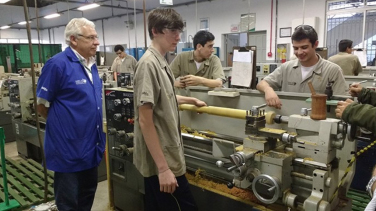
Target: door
{"points": [[258, 39]]}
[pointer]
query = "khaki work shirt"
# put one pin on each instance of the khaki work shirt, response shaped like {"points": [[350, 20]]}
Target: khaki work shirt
{"points": [[184, 64], [288, 78], [126, 66], [349, 63], [154, 83]]}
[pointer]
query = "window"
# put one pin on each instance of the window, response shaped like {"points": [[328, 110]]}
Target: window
{"points": [[370, 36], [345, 20], [247, 22], [371, 2], [345, 4], [343, 26]]}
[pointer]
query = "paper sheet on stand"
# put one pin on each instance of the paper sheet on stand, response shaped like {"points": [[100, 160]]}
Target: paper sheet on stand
{"points": [[242, 68], [242, 56], [241, 74], [362, 55]]}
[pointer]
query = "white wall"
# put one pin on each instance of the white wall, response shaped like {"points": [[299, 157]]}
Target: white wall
{"points": [[17, 34], [293, 9], [221, 14]]}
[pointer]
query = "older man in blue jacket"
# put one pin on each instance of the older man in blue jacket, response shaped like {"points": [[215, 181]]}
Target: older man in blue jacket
{"points": [[69, 95]]}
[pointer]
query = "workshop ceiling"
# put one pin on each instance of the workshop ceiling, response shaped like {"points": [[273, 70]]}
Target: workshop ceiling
{"points": [[150, 4], [68, 9], [30, 3]]}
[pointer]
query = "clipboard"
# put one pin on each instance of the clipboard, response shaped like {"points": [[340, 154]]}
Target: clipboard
{"points": [[244, 67]]}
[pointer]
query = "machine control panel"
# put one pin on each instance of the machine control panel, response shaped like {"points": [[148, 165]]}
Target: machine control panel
{"points": [[120, 120], [124, 79]]}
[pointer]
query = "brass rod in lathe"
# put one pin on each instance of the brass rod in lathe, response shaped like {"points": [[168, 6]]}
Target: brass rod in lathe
{"points": [[219, 111]]}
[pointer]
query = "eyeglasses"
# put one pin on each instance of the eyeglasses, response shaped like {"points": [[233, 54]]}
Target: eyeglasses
{"points": [[91, 38], [174, 32], [304, 27]]}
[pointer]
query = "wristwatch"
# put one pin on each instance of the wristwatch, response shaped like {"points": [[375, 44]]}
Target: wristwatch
{"points": [[369, 186]]}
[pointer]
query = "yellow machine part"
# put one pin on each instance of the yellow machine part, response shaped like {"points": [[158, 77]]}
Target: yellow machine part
{"points": [[219, 111]]}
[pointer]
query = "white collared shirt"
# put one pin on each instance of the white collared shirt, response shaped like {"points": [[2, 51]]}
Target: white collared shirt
{"points": [[371, 206], [87, 65]]}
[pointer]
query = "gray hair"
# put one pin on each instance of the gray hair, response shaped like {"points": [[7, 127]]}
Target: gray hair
{"points": [[74, 28]]}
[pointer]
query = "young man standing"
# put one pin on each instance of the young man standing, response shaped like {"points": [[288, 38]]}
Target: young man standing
{"points": [[158, 148], [123, 63], [348, 62], [199, 67], [293, 76]]}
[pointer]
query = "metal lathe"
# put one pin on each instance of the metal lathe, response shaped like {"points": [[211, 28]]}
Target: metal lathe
{"points": [[283, 158]]}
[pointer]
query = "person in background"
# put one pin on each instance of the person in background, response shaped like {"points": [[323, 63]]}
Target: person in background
{"points": [[69, 94], [199, 67], [123, 63], [158, 147], [348, 62], [293, 76]]}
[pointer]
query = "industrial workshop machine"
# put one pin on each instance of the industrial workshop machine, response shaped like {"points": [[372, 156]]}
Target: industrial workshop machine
{"points": [[23, 120], [4, 93], [297, 163], [280, 158], [5, 119], [127, 182], [124, 79], [298, 168]]}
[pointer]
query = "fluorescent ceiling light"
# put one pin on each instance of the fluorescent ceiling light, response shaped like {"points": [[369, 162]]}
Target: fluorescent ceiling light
{"points": [[23, 22], [3, 1], [5, 27], [52, 16], [89, 6]]}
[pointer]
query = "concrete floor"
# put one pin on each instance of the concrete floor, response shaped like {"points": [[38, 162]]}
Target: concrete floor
{"points": [[101, 196]]}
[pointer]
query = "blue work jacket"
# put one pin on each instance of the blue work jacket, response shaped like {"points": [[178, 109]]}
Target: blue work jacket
{"points": [[74, 138]]}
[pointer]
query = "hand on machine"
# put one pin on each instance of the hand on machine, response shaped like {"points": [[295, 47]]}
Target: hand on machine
{"points": [[272, 99], [191, 80], [354, 91]]}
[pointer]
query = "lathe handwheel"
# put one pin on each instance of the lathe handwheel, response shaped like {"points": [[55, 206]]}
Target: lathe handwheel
{"points": [[266, 189], [351, 132]]}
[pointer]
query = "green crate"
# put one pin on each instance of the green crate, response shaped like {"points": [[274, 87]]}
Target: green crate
{"points": [[360, 199]]}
